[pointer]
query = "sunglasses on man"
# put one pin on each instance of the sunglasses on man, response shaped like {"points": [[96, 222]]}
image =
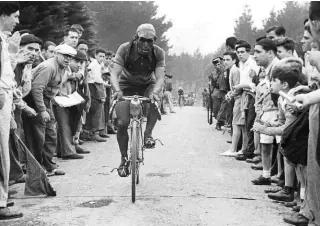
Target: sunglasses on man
{"points": [[149, 41]]}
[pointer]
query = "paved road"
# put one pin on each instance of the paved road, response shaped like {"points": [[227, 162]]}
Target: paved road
{"points": [[184, 182]]}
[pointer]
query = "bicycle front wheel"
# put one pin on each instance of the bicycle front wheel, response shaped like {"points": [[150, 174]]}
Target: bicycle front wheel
{"points": [[135, 139]]}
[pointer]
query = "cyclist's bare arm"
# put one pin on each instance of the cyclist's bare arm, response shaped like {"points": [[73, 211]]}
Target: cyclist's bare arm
{"points": [[115, 73], [159, 73]]}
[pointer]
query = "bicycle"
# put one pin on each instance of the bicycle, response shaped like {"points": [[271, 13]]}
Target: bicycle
{"points": [[136, 139]]}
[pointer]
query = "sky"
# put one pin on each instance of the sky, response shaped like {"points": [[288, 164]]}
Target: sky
{"points": [[205, 24]]}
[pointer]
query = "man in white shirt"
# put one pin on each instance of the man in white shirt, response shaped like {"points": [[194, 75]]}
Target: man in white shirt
{"points": [[94, 120], [9, 18]]}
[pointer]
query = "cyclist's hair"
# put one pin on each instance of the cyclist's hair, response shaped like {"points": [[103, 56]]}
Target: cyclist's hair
{"points": [[286, 74], [68, 30], [82, 41], [47, 44], [7, 8], [287, 43], [100, 50], [232, 55], [231, 41]]}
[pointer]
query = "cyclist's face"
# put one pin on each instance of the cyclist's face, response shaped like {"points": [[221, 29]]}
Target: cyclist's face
{"points": [[145, 45]]}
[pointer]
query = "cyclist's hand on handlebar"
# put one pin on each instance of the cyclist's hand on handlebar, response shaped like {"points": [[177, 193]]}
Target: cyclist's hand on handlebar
{"points": [[117, 95]]}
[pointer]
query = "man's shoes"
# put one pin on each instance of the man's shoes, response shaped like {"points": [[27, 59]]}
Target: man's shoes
{"points": [[111, 130], [241, 157], [10, 203], [80, 150], [261, 181], [257, 167], [97, 138], [218, 128], [275, 179], [296, 209], [103, 135], [285, 195], [12, 192], [229, 153], [296, 219], [85, 136], [229, 141], [81, 142], [254, 160], [290, 204], [274, 189], [172, 112], [6, 214], [74, 156]]}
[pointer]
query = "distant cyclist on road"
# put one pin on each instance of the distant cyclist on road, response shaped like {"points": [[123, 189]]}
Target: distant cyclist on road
{"points": [[138, 69], [180, 97]]}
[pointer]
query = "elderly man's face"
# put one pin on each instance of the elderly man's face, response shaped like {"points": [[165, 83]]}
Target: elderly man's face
{"points": [[63, 60], [32, 50]]}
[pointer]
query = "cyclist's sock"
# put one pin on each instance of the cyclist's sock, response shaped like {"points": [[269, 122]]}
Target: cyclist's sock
{"points": [[123, 139]]}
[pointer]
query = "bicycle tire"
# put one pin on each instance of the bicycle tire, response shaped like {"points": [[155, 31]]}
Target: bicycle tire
{"points": [[134, 158]]}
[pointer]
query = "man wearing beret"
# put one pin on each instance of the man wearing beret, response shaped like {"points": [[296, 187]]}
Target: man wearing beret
{"points": [[216, 74], [29, 50], [40, 131], [138, 68], [67, 117]]}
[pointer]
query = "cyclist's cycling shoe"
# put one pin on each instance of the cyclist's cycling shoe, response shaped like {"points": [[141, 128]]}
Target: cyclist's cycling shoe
{"points": [[149, 142], [123, 170]]}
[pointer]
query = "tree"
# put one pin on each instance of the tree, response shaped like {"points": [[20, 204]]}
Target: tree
{"points": [[118, 21], [244, 28], [48, 20]]}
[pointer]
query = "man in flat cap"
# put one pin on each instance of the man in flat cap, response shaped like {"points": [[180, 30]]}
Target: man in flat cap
{"points": [[40, 131], [68, 117], [138, 68]]}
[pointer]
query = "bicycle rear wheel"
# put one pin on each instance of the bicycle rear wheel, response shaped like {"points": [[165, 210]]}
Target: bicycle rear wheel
{"points": [[135, 139]]}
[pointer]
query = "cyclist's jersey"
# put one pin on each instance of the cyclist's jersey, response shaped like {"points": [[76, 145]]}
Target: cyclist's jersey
{"points": [[180, 92], [138, 70]]}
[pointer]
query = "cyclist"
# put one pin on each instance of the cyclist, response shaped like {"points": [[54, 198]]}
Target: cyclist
{"points": [[181, 96], [138, 69]]}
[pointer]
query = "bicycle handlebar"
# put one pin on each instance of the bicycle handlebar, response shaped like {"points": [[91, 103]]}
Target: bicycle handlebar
{"points": [[129, 98]]}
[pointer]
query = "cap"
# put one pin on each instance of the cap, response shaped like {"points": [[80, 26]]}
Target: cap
{"points": [[80, 56], [244, 45], [267, 44], [29, 38], [66, 49], [146, 31]]}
